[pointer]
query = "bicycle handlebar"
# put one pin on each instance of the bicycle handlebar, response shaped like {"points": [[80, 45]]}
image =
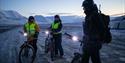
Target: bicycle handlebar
{"points": [[25, 34], [71, 37]]}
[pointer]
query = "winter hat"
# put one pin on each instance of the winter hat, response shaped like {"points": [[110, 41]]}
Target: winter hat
{"points": [[30, 17], [89, 5]]}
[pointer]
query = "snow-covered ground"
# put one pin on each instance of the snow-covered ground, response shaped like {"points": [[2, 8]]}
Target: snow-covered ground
{"points": [[11, 41]]}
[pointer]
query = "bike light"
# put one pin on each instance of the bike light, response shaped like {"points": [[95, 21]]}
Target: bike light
{"points": [[75, 38], [25, 34], [46, 32]]}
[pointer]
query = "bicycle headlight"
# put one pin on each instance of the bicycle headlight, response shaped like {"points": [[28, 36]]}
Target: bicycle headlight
{"points": [[25, 34], [75, 38], [46, 32]]}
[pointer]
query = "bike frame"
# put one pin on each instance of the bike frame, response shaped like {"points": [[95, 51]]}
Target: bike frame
{"points": [[25, 47], [77, 55], [49, 44]]}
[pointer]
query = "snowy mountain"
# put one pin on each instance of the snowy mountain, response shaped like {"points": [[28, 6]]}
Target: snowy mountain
{"points": [[112, 18], [11, 15], [14, 18], [41, 19], [11, 18], [118, 22], [68, 19], [119, 18]]}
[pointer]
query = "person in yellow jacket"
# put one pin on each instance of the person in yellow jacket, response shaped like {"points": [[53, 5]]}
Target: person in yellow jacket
{"points": [[32, 29], [56, 28]]}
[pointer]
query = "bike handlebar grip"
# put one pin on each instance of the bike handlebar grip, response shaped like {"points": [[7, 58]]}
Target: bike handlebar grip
{"points": [[20, 32], [68, 34]]}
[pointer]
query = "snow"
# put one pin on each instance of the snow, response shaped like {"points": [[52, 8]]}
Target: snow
{"points": [[11, 40], [122, 25], [118, 22], [68, 19], [41, 19], [118, 18], [11, 14], [11, 18]]}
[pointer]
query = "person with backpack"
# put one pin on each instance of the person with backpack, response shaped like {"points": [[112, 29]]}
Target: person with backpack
{"points": [[94, 30], [56, 28]]}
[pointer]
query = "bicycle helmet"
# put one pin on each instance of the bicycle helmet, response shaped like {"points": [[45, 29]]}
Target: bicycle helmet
{"points": [[31, 18]]}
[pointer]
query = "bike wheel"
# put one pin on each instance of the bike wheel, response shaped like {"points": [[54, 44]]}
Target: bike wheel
{"points": [[47, 44], [26, 54], [76, 58]]}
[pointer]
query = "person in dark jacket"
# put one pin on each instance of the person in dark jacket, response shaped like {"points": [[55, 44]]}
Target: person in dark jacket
{"points": [[56, 28], [92, 31]]}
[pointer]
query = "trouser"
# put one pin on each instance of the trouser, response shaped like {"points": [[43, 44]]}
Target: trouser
{"points": [[91, 51], [34, 43], [58, 46]]}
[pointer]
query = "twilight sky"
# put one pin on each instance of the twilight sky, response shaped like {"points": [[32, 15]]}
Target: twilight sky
{"points": [[61, 7]]}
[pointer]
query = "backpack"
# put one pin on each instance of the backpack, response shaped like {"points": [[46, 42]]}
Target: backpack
{"points": [[106, 36]]}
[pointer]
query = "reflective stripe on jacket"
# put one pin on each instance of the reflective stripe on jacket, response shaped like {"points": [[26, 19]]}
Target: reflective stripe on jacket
{"points": [[55, 25], [30, 28]]}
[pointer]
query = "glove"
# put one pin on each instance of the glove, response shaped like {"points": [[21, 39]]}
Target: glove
{"points": [[36, 34]]}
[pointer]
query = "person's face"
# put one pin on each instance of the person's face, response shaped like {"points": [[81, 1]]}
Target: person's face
{"points": [[57, 19], [31, 20], [83, 8], [86, 11]]}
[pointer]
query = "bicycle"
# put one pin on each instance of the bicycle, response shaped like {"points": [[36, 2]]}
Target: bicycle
{"points": [[77, 55], [27, 52], [49, 45]]}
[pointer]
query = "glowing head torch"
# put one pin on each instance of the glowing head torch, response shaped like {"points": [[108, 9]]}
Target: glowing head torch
{"points": [[75, 38]]}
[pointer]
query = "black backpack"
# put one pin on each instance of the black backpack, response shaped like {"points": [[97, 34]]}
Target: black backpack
{"points": [[106, 36]]}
